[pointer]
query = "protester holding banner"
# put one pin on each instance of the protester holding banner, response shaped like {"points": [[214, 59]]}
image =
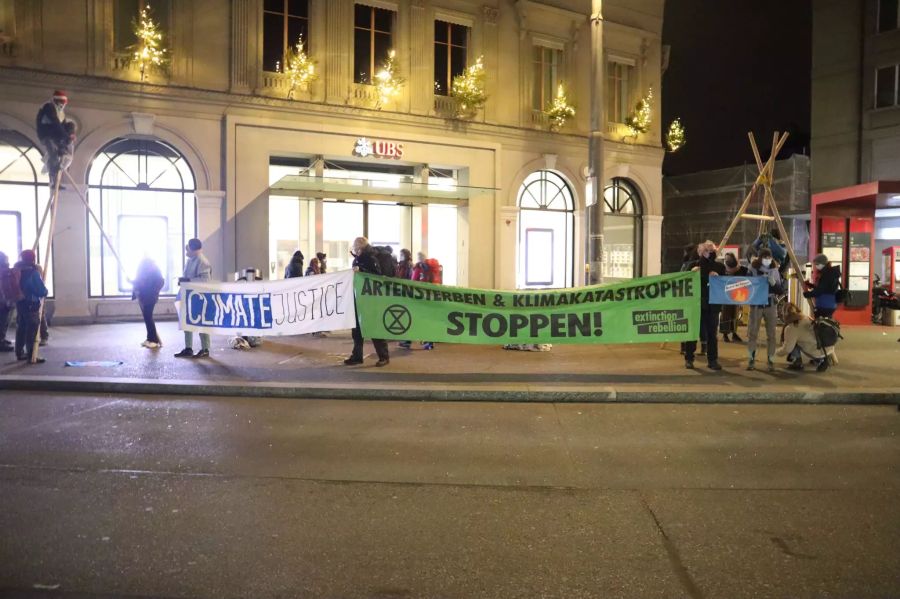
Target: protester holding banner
{"points": [[729, 318], [709, 313], [366, 261], [764, 265], [404, 265], [196, 269]]}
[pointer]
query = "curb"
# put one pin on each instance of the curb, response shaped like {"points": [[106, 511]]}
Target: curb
{"points": [[522, 393]]}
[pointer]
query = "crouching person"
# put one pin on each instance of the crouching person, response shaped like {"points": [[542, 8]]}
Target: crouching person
{"points": [[196, 269], [800, 342]]}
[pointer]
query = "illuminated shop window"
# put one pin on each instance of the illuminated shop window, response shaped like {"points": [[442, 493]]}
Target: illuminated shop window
{"points": [[143, 193], [24, 194], [622, 227], [546, 232]]}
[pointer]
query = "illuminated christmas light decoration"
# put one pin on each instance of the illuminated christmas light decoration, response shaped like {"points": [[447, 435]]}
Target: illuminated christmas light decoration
{"points": [[388, 82], [301, 69], [642, 116], [149, 52], [559, 110], [468, 89], [675, 139]]}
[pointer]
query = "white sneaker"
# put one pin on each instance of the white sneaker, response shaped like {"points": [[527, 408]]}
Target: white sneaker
{"points": [[152, 345], [145, 343]]}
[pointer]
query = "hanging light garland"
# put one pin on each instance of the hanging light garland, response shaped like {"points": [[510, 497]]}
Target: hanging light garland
{"points": [[149, 52], [301, 69], [388, 82], [559, 110], [675, 139], [468, 89], [640, 118]]}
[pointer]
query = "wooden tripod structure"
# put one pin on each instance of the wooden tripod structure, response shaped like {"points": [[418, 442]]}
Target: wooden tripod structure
{"points": [[769, 212], [50, 211]]}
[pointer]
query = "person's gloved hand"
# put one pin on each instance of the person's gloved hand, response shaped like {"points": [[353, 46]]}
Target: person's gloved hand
{"points": [[807, 294]]}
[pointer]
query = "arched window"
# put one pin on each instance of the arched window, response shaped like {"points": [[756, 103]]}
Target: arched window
{"points": [[143, 193], [24, 194], [546, 232], [622, 228]]}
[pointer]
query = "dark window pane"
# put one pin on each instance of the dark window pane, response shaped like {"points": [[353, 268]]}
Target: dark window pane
{"points": [[460, 35], [440, 70], [384, 20], [457, 61], [126, 12], [296, 28], [363, 16], [382, 47], [887, 15], [298, 8], [361, 53], [537, 79], [440, 32], [274, 5], [273, 41], [884, 91]]}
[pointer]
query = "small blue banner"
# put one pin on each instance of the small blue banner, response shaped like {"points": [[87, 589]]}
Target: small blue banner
{"points": [[752, 291]]}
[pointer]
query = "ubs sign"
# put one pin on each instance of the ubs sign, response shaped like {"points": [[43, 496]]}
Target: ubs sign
{"points": [[378, 147]]}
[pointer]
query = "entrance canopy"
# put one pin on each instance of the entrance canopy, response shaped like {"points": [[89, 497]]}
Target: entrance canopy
{"points": [[373, 190]]}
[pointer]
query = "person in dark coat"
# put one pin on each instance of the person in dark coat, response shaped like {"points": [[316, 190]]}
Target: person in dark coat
{"points": [[55, 133], [323, 262], [6, 303], [28, 309], [364, 260], [729, 317], [294, 268], [709, 313], [145, 289], [824, 291], [404, 265]]}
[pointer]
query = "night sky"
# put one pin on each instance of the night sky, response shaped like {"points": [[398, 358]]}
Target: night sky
{"points": [[736, 66]]}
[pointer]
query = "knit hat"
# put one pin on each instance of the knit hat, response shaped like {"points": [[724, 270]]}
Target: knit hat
{"points": [[61, 95], [820, 259], [27, 256]]}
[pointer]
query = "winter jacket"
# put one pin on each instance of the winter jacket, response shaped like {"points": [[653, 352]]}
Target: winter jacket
{"points": [[776, 284], [404, 269], [707, 266], [313, 268], [198, 269], [50, 122], [31, 283], [148, 283], [367, 262], [779, 252], [801, 334], [294, 269], [825, 291], [420, 272]]}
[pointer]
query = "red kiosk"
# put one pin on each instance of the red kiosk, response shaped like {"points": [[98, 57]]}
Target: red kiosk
{"points": [[842, 227]]}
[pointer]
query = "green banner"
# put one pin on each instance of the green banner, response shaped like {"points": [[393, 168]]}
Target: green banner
{"points": [[647, 310]]}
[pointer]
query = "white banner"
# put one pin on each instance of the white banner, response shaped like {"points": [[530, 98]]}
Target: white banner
{"points": [[269, 308]]}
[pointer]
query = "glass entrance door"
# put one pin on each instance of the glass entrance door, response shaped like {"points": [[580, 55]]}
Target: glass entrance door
{"points": [[342, 222]]}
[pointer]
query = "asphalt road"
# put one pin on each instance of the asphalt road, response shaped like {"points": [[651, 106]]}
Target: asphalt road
{"points": [[105, 497]]}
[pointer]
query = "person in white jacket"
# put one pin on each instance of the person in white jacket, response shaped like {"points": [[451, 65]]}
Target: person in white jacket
{"points": [[800, 342], [197, 268]]}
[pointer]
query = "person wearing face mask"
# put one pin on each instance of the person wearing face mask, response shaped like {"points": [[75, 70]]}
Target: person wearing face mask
{"points": [[824, 291], [366, 260], [729, 318], [765, 266], [709, 313]]}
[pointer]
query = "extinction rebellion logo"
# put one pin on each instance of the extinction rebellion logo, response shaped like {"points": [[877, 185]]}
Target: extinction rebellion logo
{"points": [[396, 319]]}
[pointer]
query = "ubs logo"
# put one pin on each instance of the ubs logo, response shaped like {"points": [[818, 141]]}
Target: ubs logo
{"points": [[378, 147]]}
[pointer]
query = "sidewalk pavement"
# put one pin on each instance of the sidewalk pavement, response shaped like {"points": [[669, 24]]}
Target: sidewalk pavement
{"points": [[312, 367]]}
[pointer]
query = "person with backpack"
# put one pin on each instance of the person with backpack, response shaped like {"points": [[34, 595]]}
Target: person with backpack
{"points": [[9, 292], [145, 289], [426, 270], [764, 265], [387, 263], [365, 259], [800, 340], [196, 269], [420, 269], [709, 313], [294, 268], [28, 307], [825, 290]]}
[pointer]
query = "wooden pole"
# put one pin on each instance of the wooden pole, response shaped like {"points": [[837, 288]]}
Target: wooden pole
{"points": [[40, 230], [99, 226], [54, 202]]}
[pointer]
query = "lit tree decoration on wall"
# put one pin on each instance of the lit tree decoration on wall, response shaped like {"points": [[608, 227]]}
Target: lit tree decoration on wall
{"points": [[559, 110], [468, 89], [301, 69], [675, 136], [640, 118], [149, 52], [388, 82]]}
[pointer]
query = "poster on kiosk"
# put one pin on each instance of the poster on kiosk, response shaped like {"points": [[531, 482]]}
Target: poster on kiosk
{"points": [[891, 268]]}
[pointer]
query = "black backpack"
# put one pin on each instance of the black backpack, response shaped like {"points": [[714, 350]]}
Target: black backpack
{"points": [[828, 331], [387, 263]]}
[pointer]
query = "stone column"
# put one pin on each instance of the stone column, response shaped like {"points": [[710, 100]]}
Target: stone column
{"points": [[491, 51], [420, 89], [338, 76], [210, 230], [507, 242], [245, 33]]}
